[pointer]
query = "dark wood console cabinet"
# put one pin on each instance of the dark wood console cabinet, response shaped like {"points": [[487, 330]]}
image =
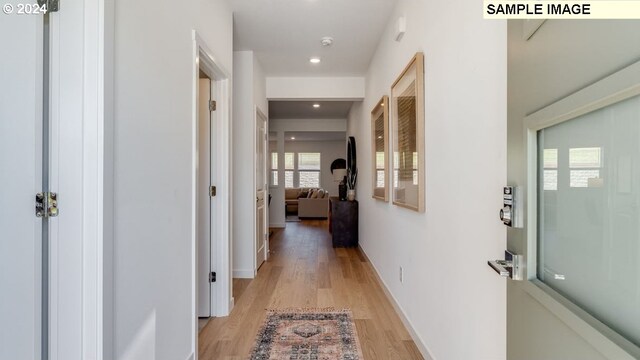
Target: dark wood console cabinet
{"points": [[343, 222]]}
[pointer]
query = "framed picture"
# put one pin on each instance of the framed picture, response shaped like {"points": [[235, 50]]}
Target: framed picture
{"points": [[407, 105], [380, 149]]}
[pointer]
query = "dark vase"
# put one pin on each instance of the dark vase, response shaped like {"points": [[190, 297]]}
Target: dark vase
{"points": [[342, 189]]}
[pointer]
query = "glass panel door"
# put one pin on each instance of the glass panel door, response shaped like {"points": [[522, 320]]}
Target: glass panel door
{"points": [[588, 213]]}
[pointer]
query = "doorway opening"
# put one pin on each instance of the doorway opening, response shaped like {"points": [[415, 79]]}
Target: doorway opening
{"points": [[210, 197], [205, 192]]}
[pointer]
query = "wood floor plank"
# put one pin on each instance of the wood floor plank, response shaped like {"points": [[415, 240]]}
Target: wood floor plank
{"points": [[304, 270], [412, 350], [324, 277]]}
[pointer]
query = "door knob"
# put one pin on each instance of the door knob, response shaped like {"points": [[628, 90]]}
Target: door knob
{"points": [[501, 267], [510, 267]]}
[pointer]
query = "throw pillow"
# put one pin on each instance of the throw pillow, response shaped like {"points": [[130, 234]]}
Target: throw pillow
{"points": [[320, 194], [303, 194], [315, 194]]}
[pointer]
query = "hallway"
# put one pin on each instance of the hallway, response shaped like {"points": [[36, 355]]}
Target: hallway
{"points": [[304, 270]]}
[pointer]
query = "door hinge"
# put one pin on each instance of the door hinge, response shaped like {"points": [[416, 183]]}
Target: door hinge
{"points": [[212, 105], [52, 5], [46, 204], [212, 191], [212, 277]]}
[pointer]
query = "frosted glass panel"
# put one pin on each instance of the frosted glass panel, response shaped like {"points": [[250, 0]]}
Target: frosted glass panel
{"points": [[588, 213]]}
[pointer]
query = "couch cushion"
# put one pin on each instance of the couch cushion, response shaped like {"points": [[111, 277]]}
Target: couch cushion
{"points": [[291, 193]]}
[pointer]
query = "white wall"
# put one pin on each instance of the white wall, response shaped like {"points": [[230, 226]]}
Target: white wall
{"points": [[249, 91], [315, 88], [260, 87], [453, 300], [277, 216], [307, 125], [152, 164]]}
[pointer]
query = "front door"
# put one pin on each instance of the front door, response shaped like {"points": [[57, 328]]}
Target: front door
{"points": [[573, 155], [22, 309]]}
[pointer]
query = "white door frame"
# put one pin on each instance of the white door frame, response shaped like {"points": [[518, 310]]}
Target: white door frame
{"points": [[621, 85], [204, 59], [81, 171]]}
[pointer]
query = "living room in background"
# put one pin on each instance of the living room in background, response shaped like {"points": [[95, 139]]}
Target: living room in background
{"points": [[311, 155]]}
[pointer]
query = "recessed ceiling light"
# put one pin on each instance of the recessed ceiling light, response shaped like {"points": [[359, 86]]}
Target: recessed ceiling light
{"points": [[316, 105], [314, 60], [379, 137], [293, 138]]}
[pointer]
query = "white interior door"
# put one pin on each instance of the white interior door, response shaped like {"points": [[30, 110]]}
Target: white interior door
{"points": [[262, 234], [576, 161], [20, 179], [204, 199]]}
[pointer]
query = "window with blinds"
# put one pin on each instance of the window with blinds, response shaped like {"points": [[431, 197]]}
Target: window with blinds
{"points": [[274, 169], [289, 168], [309, 170]]}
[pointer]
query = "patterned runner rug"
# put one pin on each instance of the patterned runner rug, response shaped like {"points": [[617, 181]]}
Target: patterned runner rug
{"points": [[307, 334]]}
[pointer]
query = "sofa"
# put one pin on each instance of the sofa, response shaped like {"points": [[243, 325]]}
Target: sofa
{"points": [[291, 200], [313, 208], [307, 203]]}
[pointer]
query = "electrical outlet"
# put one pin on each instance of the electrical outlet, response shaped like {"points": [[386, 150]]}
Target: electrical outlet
{"points": [[401, 275]]}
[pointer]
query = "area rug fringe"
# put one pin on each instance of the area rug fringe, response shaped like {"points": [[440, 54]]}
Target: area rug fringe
{"points": [[307, 310]]}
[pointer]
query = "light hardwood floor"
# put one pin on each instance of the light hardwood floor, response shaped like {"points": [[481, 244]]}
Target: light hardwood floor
{"points": [[304, 270]]}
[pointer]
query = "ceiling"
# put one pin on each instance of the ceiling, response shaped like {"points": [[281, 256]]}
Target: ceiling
{"points": [[284, 34], [305, 109]]}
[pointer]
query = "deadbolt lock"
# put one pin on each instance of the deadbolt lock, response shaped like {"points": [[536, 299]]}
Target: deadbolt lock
{"points": [[511, 212]]}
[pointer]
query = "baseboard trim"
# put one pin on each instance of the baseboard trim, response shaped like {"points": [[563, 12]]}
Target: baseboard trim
{"points": [[244, 274], [278, 225], [398, 309]]}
